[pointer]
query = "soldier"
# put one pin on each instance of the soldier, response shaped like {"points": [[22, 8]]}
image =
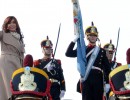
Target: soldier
{"points": [[92, 87], [53, 68], [110, 50]]}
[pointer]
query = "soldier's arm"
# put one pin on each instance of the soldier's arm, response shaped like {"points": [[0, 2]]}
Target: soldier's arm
{"points": [[106, 65], [62, 79], [70, 52]]}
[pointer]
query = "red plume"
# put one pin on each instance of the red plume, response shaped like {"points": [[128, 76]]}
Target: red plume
{"points": [[28, 60], [128, 56]]}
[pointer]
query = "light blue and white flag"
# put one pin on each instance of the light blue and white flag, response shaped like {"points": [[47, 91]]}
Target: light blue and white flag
{"points": [[81, 47]]}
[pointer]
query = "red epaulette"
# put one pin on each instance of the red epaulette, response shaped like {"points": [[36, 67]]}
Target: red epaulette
{"points": [[58, 61], [36, 62], [119, 64]]}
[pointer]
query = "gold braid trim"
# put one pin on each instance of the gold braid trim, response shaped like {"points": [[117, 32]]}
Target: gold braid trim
{"points": [[33, 69]]}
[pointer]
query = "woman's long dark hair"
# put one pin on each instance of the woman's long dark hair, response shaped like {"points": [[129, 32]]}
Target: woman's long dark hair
{"points": [[8, 21]]}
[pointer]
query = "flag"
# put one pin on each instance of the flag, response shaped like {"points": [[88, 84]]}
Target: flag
{"points": [[81, 47]]}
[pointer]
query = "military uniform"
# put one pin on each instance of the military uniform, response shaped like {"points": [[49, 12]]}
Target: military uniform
{"points": [[92, 87], [114, 64], [55, 74], [110, 50]]}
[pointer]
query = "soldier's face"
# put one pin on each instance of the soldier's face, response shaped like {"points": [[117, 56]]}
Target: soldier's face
{"points": [[109, 54], [92, 38], [47, 51]]}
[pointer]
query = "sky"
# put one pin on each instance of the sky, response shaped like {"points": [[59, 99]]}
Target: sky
{"points": [[41, 18]]}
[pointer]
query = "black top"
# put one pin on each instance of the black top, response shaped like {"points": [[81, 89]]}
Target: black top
{"points": [[56, 73]]}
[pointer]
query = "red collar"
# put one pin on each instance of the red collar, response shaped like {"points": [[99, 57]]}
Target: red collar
{"points": [[110, 60], [91, 46], [46, 59]]}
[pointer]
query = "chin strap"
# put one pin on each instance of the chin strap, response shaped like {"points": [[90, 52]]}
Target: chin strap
{"points": [[99, 43]]}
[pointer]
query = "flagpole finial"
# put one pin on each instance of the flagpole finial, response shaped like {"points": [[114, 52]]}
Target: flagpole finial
{"points": [[47, 37], [92, 23], [110, 41]]}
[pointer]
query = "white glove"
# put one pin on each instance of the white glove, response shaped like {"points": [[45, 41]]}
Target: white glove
{"points": [[49, 68], [107, 87], [76, 37], [62, 93]]}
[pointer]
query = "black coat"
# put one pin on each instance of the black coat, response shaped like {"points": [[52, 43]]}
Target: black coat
{"points": [[41, 63], [92, 87], [101, 61]]}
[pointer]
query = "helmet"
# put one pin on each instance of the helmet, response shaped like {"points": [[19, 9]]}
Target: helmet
{"points": [[91, 30], [109, 46], [30, 82], [46, 43]]}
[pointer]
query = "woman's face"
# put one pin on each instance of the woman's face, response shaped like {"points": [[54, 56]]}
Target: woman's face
{"points": [[12, 26]]}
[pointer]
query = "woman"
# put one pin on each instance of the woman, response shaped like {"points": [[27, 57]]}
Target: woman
{"points": [[12, 54]]}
